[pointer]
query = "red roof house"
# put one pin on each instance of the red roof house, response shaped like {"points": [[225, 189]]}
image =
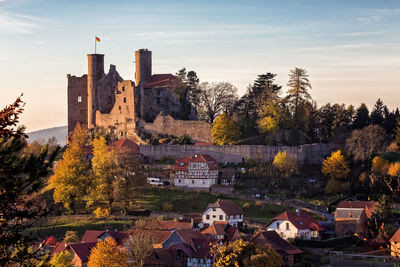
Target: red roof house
{"points": [[125, 145]]}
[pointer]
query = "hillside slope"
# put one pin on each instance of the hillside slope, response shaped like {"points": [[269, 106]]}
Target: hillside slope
{"points": [[60, 133]]}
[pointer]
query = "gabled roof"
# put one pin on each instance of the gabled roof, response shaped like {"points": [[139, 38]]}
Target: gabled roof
{"points": [[60, 247], [157, 236], [160, 80], [348, 214], [217, 228], [119, 237], [228, 173], [51, 241], [187, 235], [228, 206], [125, 144], [182, 164], [369, 206], [277, 242], [82, 250], [202, 247], [91, 236], [300, 220], [396, 237]]}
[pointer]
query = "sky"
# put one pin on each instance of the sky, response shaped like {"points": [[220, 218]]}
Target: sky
{"points": [[350, 49]]}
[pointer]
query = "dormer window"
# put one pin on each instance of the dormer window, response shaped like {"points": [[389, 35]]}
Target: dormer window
{"points": [[181, 164]]}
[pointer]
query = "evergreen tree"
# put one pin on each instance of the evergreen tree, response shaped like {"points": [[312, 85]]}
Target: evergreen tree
{"points": [[361, 118], [193, 83], [298, 92], [20, 180], [389, 123], [377, 113]]}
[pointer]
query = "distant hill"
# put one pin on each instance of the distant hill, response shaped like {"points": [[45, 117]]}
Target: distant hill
{"points": [[60, 133]]}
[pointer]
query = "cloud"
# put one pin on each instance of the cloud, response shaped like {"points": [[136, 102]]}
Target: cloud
{"points": [[18, 23], [378, 15]]}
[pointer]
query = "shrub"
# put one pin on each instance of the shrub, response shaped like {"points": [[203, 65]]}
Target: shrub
{"points": [[259, 203], [285, 164], [246, 205], [101, 213], [167, 206]]}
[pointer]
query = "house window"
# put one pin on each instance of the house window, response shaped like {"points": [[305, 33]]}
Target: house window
{"points": [[277, 225], [204, 181], [181, 164], [226, 217], [207, 217], [124, 99], [123, 88], [79, 99], [202, 165], [192, 181], [180, 181], [287, 226], [221, 217], [214, 216], [214, 209]]}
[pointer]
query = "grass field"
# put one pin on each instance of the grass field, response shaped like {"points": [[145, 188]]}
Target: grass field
{"points": [[153, 198]]}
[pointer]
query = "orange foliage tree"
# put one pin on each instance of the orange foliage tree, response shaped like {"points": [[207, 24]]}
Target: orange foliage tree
{"points": [[108, 253]]}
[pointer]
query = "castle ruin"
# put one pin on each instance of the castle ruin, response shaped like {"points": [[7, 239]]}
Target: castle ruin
{"points": [[149, 104]]}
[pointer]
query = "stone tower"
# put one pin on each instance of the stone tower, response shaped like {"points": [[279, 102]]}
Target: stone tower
{"points": [[143, 66], [95, 73]]}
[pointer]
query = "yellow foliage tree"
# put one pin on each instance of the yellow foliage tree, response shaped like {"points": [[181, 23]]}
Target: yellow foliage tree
{"points": [[243, 253], [104, 173], [285, 164], [101, 213], [269, 119], [394, 169], [108, 253], [70, 177], [62, 259], [225, 131], [379, 165], [335, 166]]}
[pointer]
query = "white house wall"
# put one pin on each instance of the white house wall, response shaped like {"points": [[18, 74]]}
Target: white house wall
{"points": [[215, 217], [293, 232]]}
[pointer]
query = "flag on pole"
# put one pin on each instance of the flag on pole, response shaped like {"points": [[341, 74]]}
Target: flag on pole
{"points": [[97, 39]]}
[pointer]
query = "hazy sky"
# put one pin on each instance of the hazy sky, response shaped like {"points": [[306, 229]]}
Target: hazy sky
{"points": [[350, 49]]}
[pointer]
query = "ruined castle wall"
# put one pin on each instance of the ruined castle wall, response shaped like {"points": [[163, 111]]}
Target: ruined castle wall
{"points": [[77, 101], [197, 130], [159, 99], [121, 118], [310, 153]]}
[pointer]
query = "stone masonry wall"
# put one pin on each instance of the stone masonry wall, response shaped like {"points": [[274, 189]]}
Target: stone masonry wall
{"points": [[310, 153], [77, 101], [197, 130]]}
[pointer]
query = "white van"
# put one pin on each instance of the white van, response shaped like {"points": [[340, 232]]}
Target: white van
{"points": [[154, 181]]}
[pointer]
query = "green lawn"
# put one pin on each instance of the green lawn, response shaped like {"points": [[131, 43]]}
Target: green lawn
{"points": [[153, 198]]}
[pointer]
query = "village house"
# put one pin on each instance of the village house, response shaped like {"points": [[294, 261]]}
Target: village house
{"points": [[228, 176], [198, 171], [351, 216], [290, 254], [223, 211], [295, 224], [222, 231]]}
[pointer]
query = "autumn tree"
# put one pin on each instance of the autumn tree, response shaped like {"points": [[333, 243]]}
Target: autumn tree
{"points": [[285, 164], [140, 247], [335, 166], [103, 170], [299, 85], [108, 253], [364, 143], [20, 179], [215, 99], [70, 178], [80, 135], [269, 117], [62, 259], [243, 253], [71, 237], [225, 131]]}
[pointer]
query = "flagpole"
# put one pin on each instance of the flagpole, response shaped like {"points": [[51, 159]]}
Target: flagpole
{"points": [[95, 45]]}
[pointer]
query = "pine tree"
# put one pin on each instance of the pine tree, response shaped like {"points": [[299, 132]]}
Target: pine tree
{"points": [[377, 114], [361, 118]]}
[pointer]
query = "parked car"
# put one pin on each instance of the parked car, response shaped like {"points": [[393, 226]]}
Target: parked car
{"points": [[154, 181], [166, 182]]}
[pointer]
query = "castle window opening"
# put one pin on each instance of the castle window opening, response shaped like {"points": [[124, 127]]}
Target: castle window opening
{"points": [[123, 88], [119, 107], [158, 100], [79, 99], [124, 99]]}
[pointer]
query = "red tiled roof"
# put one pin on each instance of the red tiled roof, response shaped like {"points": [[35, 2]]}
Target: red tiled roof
{"points": [[183, 163], [60, 247], [157, 236], [215, 229], [82, 250], [51, 241], [278, 243], [396, 237], [228, 206], [160, 80], [301, 221], [91, 236], [187, 235], [228, 174], [202, 248], [119, 237], [125, 144], [369, 206]]}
